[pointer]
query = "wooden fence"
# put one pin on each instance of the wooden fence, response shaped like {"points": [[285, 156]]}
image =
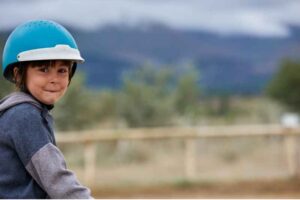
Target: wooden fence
{"points": [[188, 134]]}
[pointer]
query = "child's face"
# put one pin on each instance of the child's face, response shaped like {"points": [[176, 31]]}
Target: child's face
{"points": [[48, 83]]}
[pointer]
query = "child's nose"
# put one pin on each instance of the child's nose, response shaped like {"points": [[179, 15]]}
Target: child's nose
{"points": [[53, 77]]}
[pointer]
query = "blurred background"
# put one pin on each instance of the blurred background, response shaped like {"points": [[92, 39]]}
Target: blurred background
{"points": [[196, 98]]}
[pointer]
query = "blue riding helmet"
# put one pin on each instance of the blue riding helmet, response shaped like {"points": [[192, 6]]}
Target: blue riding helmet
{"points": [[39, 40]]}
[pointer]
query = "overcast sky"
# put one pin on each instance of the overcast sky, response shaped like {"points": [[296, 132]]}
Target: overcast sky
{"points": [[253, 17]]}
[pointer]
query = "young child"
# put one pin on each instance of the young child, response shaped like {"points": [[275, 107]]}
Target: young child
{"points": [[40, 58]]}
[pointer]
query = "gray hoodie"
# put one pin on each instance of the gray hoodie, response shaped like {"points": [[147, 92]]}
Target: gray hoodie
{"points": [[31, 166]]}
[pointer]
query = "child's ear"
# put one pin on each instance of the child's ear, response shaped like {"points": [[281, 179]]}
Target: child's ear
{"points": [[16, 75]]}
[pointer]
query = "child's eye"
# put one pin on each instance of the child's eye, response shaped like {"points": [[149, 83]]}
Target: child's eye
{"points": [[63, 70], [43, 69]]}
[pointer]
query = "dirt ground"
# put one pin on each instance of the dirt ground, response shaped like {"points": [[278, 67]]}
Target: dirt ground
{"points": [[258, 189]]}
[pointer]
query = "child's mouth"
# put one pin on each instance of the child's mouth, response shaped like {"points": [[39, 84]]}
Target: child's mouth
{"points": [[52, 91]]}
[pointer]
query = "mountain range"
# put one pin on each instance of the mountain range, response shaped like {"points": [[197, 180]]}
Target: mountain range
{"points": [[235, 64]]}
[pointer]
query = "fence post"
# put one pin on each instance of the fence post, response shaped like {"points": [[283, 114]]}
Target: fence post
{"points": [[290, 147], [90, 151], [290, 121], [190, 158]]}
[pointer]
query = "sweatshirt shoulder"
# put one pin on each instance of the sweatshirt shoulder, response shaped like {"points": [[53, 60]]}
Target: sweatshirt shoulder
{"points": [[23, 111], [25, 106]]}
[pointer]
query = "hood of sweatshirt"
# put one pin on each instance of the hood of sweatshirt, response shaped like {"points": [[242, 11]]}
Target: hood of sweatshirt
{"points": [[16, 98]]}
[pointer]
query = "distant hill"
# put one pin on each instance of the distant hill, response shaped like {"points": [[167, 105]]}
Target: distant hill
{"points": [[233, 64]]}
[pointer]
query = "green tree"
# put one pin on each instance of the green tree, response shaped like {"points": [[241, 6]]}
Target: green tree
{"points": [[187, 92], [285, 85], [146, 97]]}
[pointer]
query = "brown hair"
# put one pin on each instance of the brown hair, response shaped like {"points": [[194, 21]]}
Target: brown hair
{"points": [[20, 78]]}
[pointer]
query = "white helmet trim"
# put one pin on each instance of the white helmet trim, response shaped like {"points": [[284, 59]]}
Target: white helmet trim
{"points": [[59, 52]]}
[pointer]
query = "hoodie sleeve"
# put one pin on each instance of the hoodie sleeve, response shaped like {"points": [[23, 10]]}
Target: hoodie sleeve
{"points": [[41, 158], [48, 168]]}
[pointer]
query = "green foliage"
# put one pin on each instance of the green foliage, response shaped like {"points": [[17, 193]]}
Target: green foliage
{"points": [[107, 105], [219, 105], [285, 85], [152, 97], [187, 92], [5, 86], [146, 98]]}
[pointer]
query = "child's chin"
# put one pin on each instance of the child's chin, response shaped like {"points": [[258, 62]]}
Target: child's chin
{"points": [[49, 101]]}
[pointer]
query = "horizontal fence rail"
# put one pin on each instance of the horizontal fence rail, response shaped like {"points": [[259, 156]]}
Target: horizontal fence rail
{"points": [[188, 134], [174, 132]]}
